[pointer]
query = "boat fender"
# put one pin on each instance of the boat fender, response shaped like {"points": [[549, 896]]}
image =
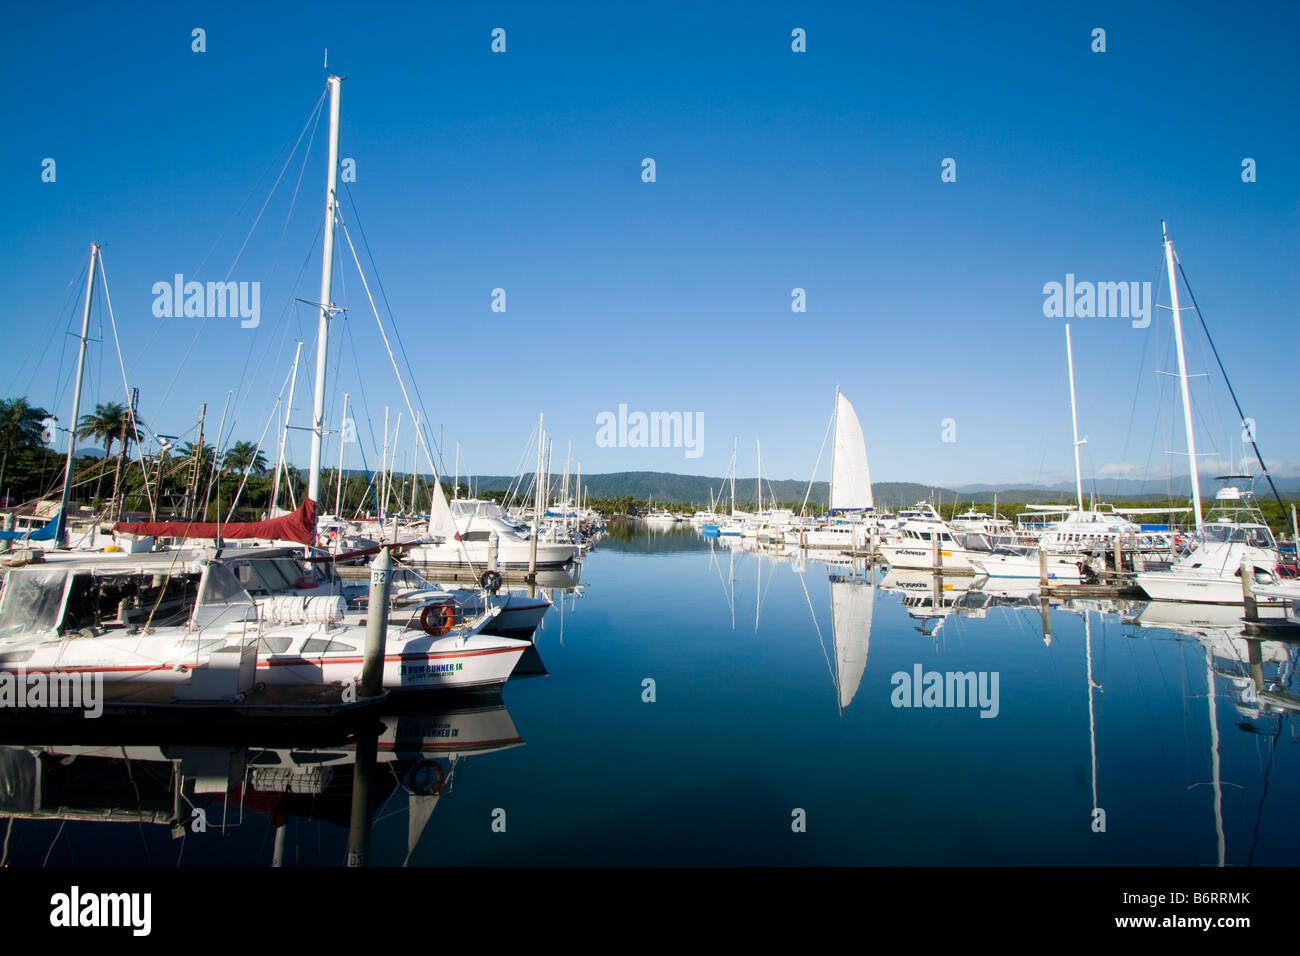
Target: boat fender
{"points": [[438, 618], [426, 777], [490, 581]]}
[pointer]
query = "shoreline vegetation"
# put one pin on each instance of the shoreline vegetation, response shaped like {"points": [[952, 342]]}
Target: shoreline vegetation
{"points": [[34, 473]]}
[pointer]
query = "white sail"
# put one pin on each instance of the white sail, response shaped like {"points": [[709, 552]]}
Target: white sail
{"points": [[850, 477], [441, 522], [852, 602]]}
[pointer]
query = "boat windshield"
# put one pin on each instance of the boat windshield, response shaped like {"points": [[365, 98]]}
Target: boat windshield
{"points": [[1254, 536], [33, 600], [222, 600]]}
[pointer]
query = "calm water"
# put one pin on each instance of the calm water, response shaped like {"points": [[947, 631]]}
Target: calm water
{"points": [[772, 694]]}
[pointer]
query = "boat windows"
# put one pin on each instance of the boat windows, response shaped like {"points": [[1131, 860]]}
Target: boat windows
{"points": [[318, 645], [222, 599], [274, 645], [32, 601]]}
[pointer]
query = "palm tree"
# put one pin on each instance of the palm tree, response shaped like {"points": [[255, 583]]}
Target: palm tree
{"points": [[20, 427], [109, 423], [243, 456]]}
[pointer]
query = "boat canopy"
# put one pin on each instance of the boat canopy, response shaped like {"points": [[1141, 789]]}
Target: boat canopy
{"points": [[299, 526], [45, 532]]}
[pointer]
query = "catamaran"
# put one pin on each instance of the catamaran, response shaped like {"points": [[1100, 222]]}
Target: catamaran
{"points": [[844, 527], [1237, 535]]}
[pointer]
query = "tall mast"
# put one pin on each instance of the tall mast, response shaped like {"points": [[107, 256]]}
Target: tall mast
{"points": [[415, 459], [326, 285], [338, 480], [1074, 418], [537, 500], [284, 432], [61, 528], [383, 472], [835, 416], [735, 444], [758, 445], [1182, 377]]}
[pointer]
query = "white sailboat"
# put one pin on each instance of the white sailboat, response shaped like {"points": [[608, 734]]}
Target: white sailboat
{"points": [[1211, 571], [844, 526], [443, 652], [852, 604]]}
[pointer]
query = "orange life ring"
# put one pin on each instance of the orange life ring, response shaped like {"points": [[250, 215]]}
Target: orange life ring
{"points": [[437, 619], [419, 781], [334, 535]]}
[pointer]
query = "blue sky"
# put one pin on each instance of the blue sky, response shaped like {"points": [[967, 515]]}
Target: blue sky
{"points": [[775, 170]]}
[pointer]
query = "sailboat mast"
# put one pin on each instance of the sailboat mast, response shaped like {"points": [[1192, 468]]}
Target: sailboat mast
{"points": [[1182, 377], [326, 286], [1074, 417], [61, 528], [284, 432], [835, 415], [735, 445], [415, 459], [338, 481]]}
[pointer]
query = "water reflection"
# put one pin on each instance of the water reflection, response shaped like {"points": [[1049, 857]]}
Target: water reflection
{"points": [[1169, 720], [200, 793]]}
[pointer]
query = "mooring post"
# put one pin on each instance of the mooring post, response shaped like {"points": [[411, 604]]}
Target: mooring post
{"points": [[1255, 658], [494, 542], [1042, 566], [1248, 590], [372, 667], [359, 822]]}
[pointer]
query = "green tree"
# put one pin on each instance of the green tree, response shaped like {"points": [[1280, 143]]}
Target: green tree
{"points": [[109, 423], [243, 456], [20, 427]]}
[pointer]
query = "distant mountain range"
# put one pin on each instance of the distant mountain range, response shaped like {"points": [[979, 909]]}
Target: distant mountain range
{"points": [[700, 489]]}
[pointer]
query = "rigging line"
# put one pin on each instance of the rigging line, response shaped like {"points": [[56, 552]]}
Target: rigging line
{"points": [[59, 383], [384, 295], [401, 383], [265, 353], [275, 353], [365, 402], [804, 507], [1137, 383], [139, 804], [1268, 772], [248, 470], [293, 200], [251, 229], [58, 833], [71, 293], [126, 387], [1231, 391], [820, 640], [251, 192]]}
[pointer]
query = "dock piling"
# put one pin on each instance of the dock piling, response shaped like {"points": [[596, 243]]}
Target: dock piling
{"points": [[372, 667]]}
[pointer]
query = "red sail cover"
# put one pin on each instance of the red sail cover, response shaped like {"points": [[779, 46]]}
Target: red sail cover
{"points": [[299, 526]]}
